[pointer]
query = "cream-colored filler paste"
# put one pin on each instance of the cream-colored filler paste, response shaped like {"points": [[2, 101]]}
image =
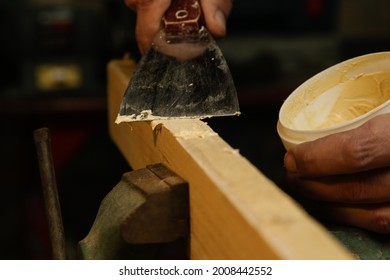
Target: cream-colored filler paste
{"points": [[350, 99]]}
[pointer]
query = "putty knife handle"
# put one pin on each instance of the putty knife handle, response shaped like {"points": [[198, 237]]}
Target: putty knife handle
{"points": [[182, 18]]}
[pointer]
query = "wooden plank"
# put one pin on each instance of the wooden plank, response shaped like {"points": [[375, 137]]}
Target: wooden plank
{"points": [[235, 211]]}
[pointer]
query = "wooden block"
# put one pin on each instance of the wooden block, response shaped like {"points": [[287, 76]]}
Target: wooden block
{"points": [[235, 211]]}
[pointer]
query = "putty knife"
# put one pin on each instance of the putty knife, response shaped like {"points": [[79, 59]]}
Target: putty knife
{"points": [[182, 75]]}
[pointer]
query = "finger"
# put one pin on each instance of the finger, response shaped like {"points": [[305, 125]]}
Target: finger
{"points": [[375, 217], [149, 14], [362, 188], [215, 13], [363, 148]]}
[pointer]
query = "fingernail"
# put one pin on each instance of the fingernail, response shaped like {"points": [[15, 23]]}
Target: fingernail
{"points": [[290, 163]]}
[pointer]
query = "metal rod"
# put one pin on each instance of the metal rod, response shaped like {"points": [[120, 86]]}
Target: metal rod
{"points": [[42, 141]]}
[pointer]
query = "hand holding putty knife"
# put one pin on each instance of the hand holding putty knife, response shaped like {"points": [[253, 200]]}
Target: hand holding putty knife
{"points": [[182, 75]]}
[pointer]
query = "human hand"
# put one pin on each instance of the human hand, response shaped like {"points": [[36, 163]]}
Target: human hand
{"points": [[150, 12], [345, 177]]}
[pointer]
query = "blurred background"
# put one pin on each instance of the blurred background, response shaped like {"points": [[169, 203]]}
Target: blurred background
{"points": [[53, 57]]}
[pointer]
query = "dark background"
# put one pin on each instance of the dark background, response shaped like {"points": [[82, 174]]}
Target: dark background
{"points": [[272, 46]]}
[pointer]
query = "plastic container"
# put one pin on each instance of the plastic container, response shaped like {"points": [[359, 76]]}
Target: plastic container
{"points": [[339, 98]]}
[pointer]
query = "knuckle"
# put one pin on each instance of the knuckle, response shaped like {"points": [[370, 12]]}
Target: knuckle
{"points": [[366, 188], [381, 220], [361, 150]]}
